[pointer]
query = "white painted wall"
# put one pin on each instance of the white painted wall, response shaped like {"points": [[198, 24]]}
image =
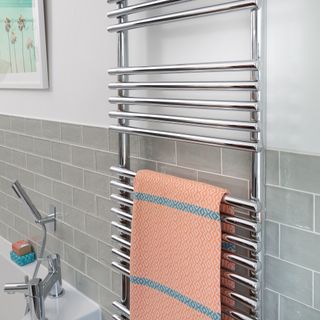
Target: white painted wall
{"points": [[80, 52]]}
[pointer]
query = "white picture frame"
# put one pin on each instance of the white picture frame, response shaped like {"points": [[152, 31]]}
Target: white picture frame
{"points": [[23, 63]]}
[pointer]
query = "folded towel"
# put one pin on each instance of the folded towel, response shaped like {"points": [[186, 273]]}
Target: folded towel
{"points": [[175, 249]]}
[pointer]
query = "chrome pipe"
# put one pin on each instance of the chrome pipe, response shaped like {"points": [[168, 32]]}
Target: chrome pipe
{"points": [[247, 263], [242, 242], [121, 227], [122, 200], [250, 205], [249, 65], [217, 142], [242, 223], [184, 103], [249, 283], [119, 267], [201, 122], [116, 317], [183, 15], [185, 85], [122, 308], [120, 254], [121, 241], [122, 214], [143, 6], [251, 303], [237, 315]]}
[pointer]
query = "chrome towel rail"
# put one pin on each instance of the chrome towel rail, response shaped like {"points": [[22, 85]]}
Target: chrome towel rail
{"points": [[206, 11], [242, 250], [189, 68]]}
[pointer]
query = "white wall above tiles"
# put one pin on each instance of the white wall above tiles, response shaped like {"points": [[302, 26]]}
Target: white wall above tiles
{"points": [[80, 52]]}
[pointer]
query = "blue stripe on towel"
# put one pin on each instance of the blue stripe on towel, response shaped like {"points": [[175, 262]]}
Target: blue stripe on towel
{"points": [[182, 206], [176, 295]]}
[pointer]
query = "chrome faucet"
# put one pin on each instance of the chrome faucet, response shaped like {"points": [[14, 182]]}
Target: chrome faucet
{"points": [[37, 290]]}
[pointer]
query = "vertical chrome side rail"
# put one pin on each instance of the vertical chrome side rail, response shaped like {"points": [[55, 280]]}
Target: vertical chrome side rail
{"points": [[124, 139], [258, 158]]}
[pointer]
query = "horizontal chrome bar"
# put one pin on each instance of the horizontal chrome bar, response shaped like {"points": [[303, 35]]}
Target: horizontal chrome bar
{"points": [[201, 122], [236, 314], [122, 308], [143, 6], [121, 186], [217, 142], [116, 317], [193, 68], [118, 266], [244, 262], [184, 103], [121, 254], [249, 283], [184, 85], [121, 213], [122, 200], [122, 241], [251, 303], [242, 242], [242, 223], [221, 8], [235, 202], [121, 227]]}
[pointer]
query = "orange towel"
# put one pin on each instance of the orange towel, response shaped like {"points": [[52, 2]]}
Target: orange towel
{"points": [[175, 249]]}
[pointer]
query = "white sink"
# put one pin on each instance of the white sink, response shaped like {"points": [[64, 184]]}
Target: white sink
{"points": [[73, 305]]}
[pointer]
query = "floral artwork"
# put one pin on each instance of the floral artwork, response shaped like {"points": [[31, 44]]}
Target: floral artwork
{"points": [[22, 49]]}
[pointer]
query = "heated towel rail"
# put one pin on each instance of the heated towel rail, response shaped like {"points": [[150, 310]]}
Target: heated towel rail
{"points": [[244, 249]]}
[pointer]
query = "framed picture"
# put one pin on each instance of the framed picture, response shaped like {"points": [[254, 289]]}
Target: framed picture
{"points": [[23, 54]]}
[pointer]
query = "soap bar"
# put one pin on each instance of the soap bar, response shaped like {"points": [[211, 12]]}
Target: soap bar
{"points": [[21, 247], [23, 260]]}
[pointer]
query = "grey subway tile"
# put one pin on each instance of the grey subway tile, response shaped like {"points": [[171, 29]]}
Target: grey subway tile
{"points": [[271, 305], [236, 163], [116, 279], [19, 159], [43, 148], [290, 207], [7, 217], [71, 133], [14, 235], [104, 207], [98, 228], [272, 238], [99, 272], [68, 273], [83, 157], [114, 143], [199, 157], [75, 258], [72, 175], [104, 160], [51, 130], [288, 279], [18, 124], [5, 154], [34, 163], [61, 152], [94, 137], [64, 233], [26, 144], [106, 298], [292, 310], [1, 138], [3, 229], [21, 225], [11, 172], [272, 167], [158, 149], [26, 178], [52, 169], [177, 171], [62, 192], [300, 172], [300, 247], [33, 127], [74, 217], [5, 122], [43, 185], [104, 253], [87, 286], [84, 201], [96, 183], [139, 164], [11, 140], [237, 187], [86, 244]]}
